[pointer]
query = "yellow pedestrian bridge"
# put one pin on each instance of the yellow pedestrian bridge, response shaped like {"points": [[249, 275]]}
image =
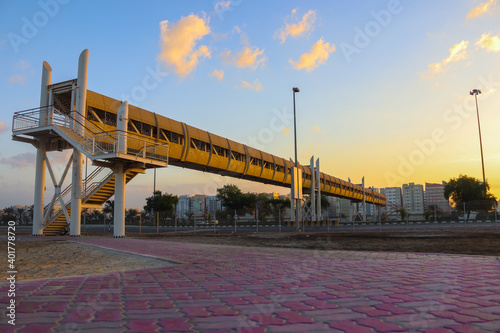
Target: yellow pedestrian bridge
{"points": [[124, 140]]}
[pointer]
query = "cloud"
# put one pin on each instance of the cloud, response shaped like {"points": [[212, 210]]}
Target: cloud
{"points": [[218, 74], [315, 129], [178, 44], [490, 43], [222, 6], [17, 79], [250, 57], [3, 127], [299, 28], [457, 52], [22, 65], [318, 55], [481, 9], [256, 85], [286, 130], [20, 161]]}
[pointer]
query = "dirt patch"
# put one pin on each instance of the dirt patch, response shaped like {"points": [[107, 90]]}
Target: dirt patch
{"points": [[472, 242], [37, 259]]}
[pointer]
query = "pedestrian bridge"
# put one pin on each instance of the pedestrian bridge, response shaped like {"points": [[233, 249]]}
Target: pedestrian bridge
{"points": [[124, 140]]}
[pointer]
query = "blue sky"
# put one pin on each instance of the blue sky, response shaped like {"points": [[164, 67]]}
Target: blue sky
{"points": [[384, 84]]}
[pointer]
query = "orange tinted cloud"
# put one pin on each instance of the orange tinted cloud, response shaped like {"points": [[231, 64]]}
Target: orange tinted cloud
{"points": [[248, 57], [318, 55], [178, 44], [490, 43], [457, 52], [299, 28], [482, 9], [256, 85], [218, 74], [17, 79]]}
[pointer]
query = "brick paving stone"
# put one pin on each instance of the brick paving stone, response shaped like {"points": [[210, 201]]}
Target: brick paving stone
{"points": [[350, 326], [230, 288], [379, 325], [142, 326]]}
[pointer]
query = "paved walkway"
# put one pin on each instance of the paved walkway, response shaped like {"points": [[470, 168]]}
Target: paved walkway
{"points": [[238, 289]]}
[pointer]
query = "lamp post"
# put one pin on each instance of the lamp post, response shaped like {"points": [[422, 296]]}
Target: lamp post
{"points": [[297, 212], [476, 92]]}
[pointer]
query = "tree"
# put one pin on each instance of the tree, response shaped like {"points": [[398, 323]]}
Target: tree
{"points": [[159, 202], [469, 190], [232, 198], [402, 212], [279, 206]]}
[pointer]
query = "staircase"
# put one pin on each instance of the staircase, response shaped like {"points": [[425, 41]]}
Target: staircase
{"points": [[97, 194]]}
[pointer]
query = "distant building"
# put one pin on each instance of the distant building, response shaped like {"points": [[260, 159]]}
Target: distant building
{"points": [[394, 200], [413, 200], [213, 204], [434, 197]]}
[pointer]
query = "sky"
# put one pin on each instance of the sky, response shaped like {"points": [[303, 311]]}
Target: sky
{"points": [[384, 85]]}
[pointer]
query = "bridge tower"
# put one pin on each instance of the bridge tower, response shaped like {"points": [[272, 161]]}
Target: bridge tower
{"points": [[61, 123]]}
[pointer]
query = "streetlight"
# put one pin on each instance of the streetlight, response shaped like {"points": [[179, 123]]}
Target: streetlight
{"points": [[295, 90], [476, 92], [297, 212]]}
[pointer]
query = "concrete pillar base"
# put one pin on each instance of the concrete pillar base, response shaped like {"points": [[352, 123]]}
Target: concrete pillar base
{"points": [[120, 236]]}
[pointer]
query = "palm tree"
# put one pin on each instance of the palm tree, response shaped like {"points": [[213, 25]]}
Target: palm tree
{"points": [[21, 213]]}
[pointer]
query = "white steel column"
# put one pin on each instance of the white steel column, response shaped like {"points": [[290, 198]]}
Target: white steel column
{"points": [[76, 189], [40, 154], [121, 126], [119, 210], [318, 196], [313, 189]]}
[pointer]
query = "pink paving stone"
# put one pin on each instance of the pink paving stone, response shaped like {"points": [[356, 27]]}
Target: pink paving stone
{"points": [[235, 301], [467, 328], [175, 325], [78, 317], [222, 311], [86, 298], [54, 307], [294, 318], [439, 330], [380, 325], [371, 311], [196, 312], [108, 315], [179, 296], [321, 295], [349, 326], [201, 296], [265, 319], [37, 328], [136, 304], [142, 326], [394, 309], [298, 306], [257, 300], [27, 307], [461, 318], [161, 304], [478, 313], [320, 304]]}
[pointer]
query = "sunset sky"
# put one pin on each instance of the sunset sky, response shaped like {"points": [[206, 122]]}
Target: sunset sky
{"points": [[384, 85]]}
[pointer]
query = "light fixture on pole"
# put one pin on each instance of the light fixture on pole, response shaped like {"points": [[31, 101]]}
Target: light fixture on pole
{"points": [[296, 209], [476, 92]]}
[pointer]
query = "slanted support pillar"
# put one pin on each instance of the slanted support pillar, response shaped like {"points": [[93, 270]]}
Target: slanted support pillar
{"points": [[40, 154], [119, 210], [76, 188], [318, 196], [313, 190]]}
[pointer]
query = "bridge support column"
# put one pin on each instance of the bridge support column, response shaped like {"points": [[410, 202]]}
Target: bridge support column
{"points": [[40, 155], [76, 195], [81, 101], [119, 210]]}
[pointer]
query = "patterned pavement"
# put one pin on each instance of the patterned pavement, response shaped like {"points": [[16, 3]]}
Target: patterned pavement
{"points": [[237, 289]]}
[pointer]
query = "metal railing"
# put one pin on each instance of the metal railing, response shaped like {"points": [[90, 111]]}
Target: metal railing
{"points": [[92, 138]]}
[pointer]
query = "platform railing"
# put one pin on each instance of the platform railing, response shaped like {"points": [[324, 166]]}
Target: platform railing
{"points": [[92, 138]]}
